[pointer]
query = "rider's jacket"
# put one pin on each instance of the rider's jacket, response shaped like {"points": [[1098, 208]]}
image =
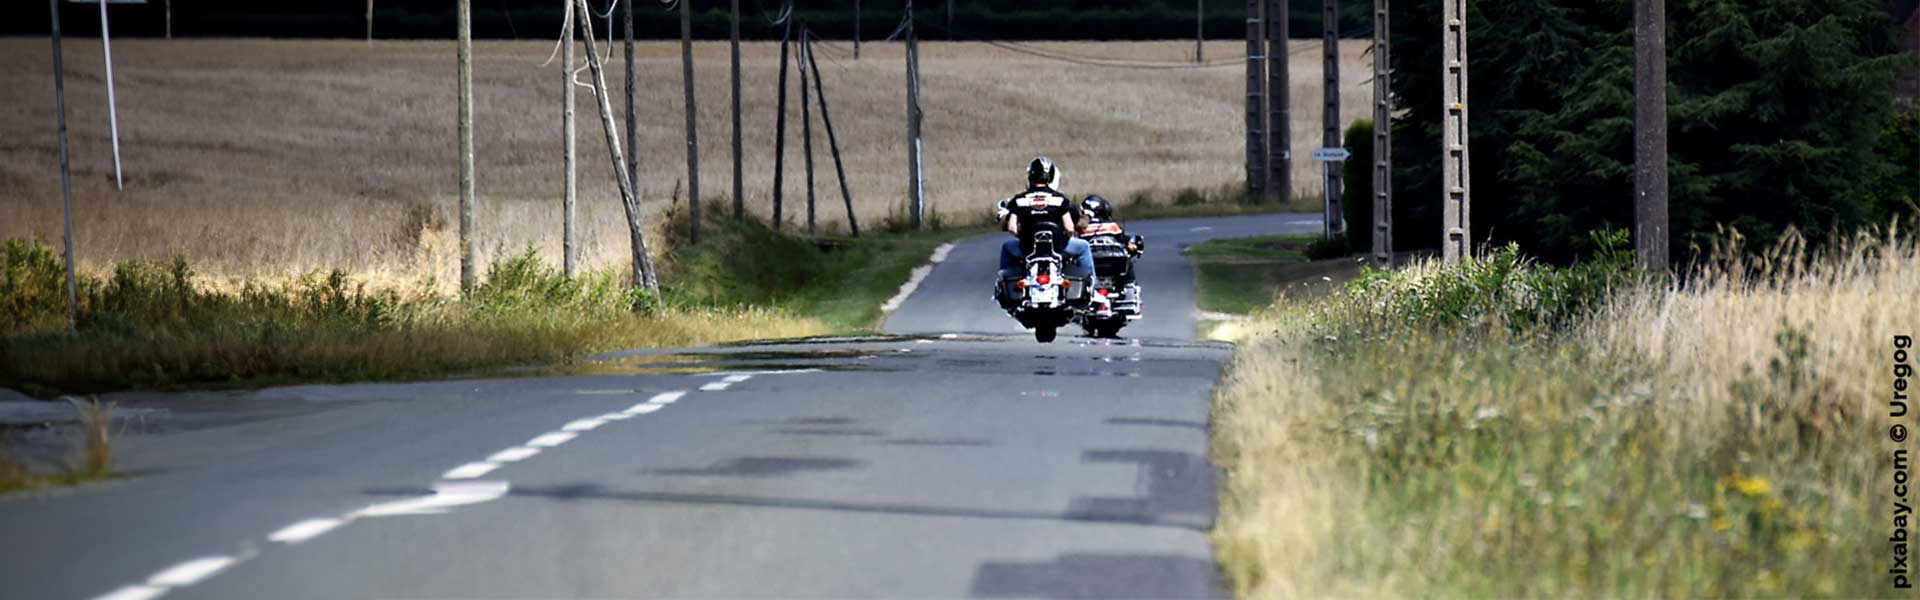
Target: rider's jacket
{"points": [[1103, 227], [1040, 208]]}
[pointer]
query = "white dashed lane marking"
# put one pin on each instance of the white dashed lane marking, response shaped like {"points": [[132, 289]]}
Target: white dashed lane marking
{"points": [[461, 491], [471, 470], [549, 440], [514, 454], [304, 530], [190, 572]]}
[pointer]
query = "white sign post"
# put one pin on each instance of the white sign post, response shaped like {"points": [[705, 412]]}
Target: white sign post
{"points": [[1329, 159]]}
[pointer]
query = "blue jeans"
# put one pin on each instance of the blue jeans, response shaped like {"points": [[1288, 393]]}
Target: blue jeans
{"points": [[1076, 259]]}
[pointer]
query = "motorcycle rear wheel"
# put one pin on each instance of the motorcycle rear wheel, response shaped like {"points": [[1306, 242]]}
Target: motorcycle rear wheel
{"points": [[1044, 334]]}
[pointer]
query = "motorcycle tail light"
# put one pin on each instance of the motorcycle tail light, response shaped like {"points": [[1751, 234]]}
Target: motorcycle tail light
{"points": [[1102, 291], [1022, 284], [1044, 279]]}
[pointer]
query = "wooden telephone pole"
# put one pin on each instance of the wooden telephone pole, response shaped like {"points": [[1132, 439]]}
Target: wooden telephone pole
{"points": [[66, 178], [633, 129], [644, 276], [780, 126], [1382, 138], [739, 188], [693, 133], [1199, 31], [1457, 207], [569, 250], [1650, 135], [916, 191], [469, 244]]}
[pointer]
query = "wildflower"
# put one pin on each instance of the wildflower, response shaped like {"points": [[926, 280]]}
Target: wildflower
{"points": [[1751, 486]]}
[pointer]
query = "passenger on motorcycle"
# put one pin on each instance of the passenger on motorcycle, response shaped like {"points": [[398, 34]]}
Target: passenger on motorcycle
{"points": [[1041, 208], [1101, 224]]}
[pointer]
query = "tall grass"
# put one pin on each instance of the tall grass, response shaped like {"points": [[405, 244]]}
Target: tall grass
{"points": [[154, 324], [1504, 428]]}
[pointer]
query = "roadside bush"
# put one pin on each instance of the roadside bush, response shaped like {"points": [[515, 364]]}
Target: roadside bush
{"points": [[1500, 287], [32, 285], [1324, 248]]}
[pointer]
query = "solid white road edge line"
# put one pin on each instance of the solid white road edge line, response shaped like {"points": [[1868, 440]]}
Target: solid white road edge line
{"points": [[445, 495], [913, 280]]}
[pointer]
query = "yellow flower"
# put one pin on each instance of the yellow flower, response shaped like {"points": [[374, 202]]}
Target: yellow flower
{"points": [[1721, 524], [1751, 486]]}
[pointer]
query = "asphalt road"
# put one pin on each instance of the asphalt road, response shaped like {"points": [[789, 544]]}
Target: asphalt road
{"points": [[948, 462]]}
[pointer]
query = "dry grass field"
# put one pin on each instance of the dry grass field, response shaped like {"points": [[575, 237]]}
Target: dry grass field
{"points": [[266, 159]]}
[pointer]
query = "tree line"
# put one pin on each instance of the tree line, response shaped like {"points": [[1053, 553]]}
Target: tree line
{"points": [[1781, 114], [530, 19]]}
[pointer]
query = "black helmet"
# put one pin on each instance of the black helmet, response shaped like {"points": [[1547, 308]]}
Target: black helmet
{"points": [[1041, 171], [1099, 208]]}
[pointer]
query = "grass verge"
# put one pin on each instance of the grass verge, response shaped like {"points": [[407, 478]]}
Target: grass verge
{"points": [[154, 325], [93, 461], [1503, 428], [1243, 275]]}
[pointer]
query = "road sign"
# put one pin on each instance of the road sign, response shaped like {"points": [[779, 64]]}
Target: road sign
{"points": [[1331, 154]]}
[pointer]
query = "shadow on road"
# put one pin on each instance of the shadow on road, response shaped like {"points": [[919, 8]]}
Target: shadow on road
{"points": [[1101, 576]]}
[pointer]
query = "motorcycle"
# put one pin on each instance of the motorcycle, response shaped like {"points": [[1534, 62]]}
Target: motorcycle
{"points": [[1046, 298], [1113, 261]]}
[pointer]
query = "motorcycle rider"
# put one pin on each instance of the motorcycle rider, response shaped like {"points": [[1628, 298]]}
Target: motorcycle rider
{"points": [[1100, 223], [1041, 208]]}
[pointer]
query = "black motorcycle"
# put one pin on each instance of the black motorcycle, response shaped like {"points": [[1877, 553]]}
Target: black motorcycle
{"points": [[1113, 261], [1046, 299]]}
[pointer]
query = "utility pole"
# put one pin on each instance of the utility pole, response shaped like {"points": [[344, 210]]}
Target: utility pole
{"points": [[833, 143], [1382, 138], [1650, 135], [568, 249], [66, 184], [169, 11], [113, 111], [780, 125], [1256, 100], [633, 129], [469, 245], [369, 18], [1330, 116], [644, 276], [806, 122], [693, 134], [915, 187], [1457, 208], [949, 20], [739, 193], [856, 29], [1279, 100], [1199, 31]]}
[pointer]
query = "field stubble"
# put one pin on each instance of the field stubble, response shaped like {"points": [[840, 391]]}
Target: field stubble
{"points": [[263, 159]]}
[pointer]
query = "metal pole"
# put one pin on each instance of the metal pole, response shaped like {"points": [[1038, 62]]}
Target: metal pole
{"points": [[739, 186], [113, 112], [1279, 108], [833, 143], [1256, 99], [1650, 134], [1456, 241], [916, 190], [633, 129], [1330, 115], [66, 184], [780, 128], [806, 124], [369, 20], [569, 249], [469, 245], [693, 132], [1382, 137]]}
